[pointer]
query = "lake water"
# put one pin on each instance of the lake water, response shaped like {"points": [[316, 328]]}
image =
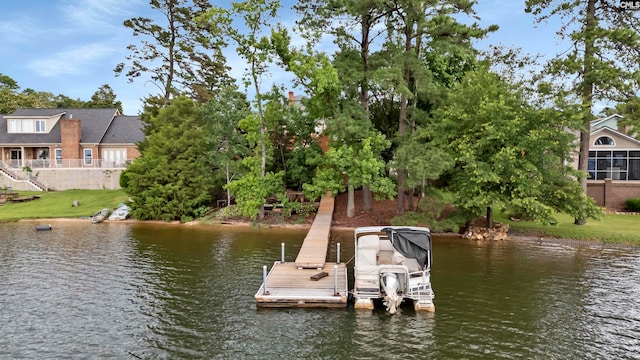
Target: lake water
{"points": [[129, 291]]}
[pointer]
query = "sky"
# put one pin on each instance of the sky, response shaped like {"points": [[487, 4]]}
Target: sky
{"points": [[71, 47]]}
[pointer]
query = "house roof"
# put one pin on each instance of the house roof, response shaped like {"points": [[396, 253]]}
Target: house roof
{"points": [[124, 130], [613, 133], [598, 123], [95, 124]]}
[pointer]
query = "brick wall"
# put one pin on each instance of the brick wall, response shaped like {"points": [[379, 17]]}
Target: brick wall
{"points": [[613, 194], [71, 135]]}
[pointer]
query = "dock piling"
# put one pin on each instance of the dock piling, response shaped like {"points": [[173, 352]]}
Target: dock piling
{"points": [[264, 280], [338, 254], [282, 254], [335, 280]]}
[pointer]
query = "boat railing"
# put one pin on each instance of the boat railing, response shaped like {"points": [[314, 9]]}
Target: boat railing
{"points": [[419, 284]]}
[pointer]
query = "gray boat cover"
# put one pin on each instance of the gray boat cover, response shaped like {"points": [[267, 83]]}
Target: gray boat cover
{"points": [[412, 243]]}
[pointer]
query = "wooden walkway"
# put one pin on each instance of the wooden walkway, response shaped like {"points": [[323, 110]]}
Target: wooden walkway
{"points": [[309, 281], [313, 252]]}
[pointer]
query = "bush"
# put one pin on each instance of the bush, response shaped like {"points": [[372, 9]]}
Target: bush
{"points": [[632, 204]]}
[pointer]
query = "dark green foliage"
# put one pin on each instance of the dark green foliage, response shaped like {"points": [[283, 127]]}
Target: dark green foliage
{"points": [[171, 179], [124, 180], [632, 204], [507, 155]]}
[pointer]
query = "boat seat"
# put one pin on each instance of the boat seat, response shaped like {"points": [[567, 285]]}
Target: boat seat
{"points": [[412, 265], [366, 258], [369, 242], [385, 245], [366, 263]]}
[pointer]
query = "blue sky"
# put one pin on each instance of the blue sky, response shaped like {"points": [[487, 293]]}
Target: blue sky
{"points": [[71, 47]]}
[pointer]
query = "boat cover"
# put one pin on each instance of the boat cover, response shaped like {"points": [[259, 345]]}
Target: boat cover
{"points": [[412, 243]]}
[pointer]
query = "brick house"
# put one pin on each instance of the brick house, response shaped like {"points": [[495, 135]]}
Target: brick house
{"points": [[614, 163], [59, 149]]}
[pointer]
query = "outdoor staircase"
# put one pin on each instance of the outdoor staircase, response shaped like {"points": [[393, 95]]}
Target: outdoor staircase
{"points": [[15, 177]]}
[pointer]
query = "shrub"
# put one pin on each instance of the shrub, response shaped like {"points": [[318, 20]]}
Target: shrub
{"points": [[632, 204]]}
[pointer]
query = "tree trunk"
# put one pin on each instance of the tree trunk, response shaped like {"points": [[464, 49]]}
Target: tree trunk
{"points": [[367, 198], [367, 201], [587, 97], [351, 207], [403, 117]]}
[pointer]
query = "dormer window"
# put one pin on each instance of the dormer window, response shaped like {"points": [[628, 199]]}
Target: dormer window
{"points": [[27, 126], [604, 140]]}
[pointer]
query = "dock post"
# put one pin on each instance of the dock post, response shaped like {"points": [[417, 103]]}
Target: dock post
{"points": [[338, 254], [335, 280], [264, 280], [282, 254]]}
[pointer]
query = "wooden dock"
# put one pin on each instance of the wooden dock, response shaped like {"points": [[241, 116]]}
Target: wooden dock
{"points": [[309, 281]]}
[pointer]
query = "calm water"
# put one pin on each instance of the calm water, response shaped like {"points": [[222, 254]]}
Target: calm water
{"points": [[127, 291]]}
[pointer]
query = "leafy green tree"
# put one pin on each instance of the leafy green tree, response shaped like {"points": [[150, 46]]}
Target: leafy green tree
{"points": [[355, 164], [63, 101], [420, 26], [508, 155], [256, 47], [600, 63], [172, 178], [104, 97], [178, 57], [225, 141]]}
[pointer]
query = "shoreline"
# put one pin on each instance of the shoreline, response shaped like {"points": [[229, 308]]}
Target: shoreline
{"points": [[573, 243]]}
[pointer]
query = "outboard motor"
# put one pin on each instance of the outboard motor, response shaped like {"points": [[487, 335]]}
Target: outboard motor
{"points": [[391, 286]]}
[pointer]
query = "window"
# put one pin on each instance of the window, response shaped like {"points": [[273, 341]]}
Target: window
{"points": [[27, 126], [58, 156], [40, 126], [15, 126], [616, 165], [604, 140], [88, 156]]}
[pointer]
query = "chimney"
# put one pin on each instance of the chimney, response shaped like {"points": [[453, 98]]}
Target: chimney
{"points": [[291, 98], [70, 135]]}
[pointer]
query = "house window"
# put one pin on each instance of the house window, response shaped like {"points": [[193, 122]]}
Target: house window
{"points": [[114, 157], [58, 156], [16, 158], [40, 126], [15, 126], [604, 140], [27, 126], [616, 165], [88, 156]]}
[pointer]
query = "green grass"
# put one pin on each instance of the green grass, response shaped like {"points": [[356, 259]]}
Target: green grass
{"points": [[612, 228], [59, 204]]}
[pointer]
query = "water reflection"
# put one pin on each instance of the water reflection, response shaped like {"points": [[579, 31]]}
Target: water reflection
{"points": [[149, 291]]}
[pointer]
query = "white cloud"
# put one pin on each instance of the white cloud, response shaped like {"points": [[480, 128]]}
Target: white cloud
{"points": [[98, 15], [75, 61], [16, 30]]}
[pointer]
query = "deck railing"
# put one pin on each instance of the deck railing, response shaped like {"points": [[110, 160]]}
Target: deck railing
{"points": [[67, 164]]}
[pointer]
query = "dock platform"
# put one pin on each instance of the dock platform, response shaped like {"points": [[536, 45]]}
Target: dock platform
{"points": [[309, 281]]}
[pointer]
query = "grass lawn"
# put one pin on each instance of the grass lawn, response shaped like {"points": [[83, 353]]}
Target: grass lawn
{"points": [[59, 204], [612, 228]]}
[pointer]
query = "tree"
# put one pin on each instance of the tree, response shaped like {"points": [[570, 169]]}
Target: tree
{"points": [[178, 57], [256, 47], [172, 178], [354, 58], [420, 26], [600, 63], [226, 144], [508, 155], [104, 97]]}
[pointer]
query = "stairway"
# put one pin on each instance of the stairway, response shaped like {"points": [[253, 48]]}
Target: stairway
{"points": [[14, 176]]}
